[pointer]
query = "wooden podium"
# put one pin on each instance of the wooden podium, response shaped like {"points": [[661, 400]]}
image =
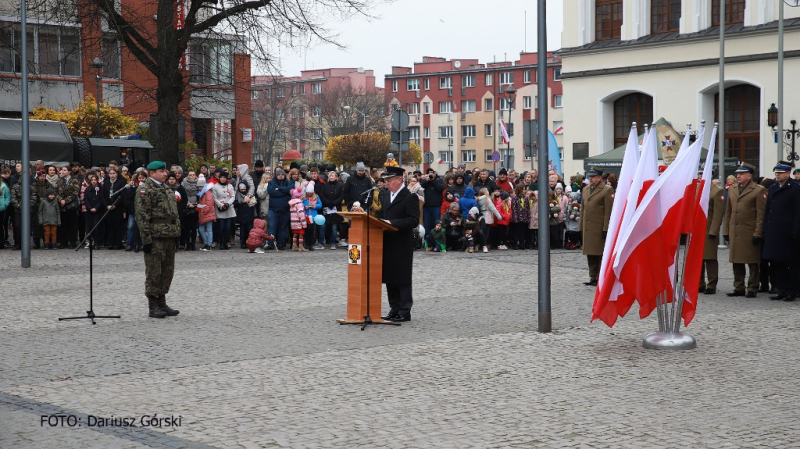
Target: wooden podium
{"points": [[365, 268]]}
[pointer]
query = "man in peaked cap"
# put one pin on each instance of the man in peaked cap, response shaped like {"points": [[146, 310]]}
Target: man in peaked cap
{"points": [[596, 202], [744, 220], [782, 232], [399, 208], [157, 217]]}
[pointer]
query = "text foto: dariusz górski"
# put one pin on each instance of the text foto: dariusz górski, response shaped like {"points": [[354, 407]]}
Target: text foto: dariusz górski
{"points": [[67, 420]]}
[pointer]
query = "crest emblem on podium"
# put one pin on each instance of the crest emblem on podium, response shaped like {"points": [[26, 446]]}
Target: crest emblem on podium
{"points": [[354, 255]]}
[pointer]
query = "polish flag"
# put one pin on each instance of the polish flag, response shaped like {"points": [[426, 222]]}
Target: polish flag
{"points": [[504, 131], [620, 301], [560, 130], [647, 247], [605, 307], [694, 257]]}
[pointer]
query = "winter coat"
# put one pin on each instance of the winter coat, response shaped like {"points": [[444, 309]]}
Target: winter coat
{"points": [[209, 212], [489, 211], [16, 197], [467, 201], [504, 209], [744, 219], [458, 189], [49, 213], [297, 215], [555, 213], [191, 190], [782, 222], [433, 191], [419, 191], [572, 217], [128, 196], [595, 214], [398, 246], [716, 209], [477, 184], [534, 223], [453, 225], [332, 195], [5, 196], [109, 188], [93, 198], [564, 204], [354, 189], [224, 195], [244, 177], [280, 192], [311, 210], [520, 209], [68, 191], [257, 235], [262, 193]]}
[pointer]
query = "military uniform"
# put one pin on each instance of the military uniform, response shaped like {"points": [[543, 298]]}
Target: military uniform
{"points": [[156, 214], [40, 186], [716, 210], [744, 220], [595, 214], [16, 202], [68, 190], [782, 235]]}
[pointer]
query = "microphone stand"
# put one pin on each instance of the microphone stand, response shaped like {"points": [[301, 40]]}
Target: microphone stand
{"points": [[90, 315], [367, 319]]}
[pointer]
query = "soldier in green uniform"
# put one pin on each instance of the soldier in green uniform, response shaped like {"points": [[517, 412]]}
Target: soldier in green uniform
{"points": [[156, 213], [596, 201]]}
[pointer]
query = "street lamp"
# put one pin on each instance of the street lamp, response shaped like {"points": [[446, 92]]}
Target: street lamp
{"points": [[788, 136], [346, 111], [98, 65], [511, 96]]}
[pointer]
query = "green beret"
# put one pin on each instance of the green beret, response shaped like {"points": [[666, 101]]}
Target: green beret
{"points": [[155, 165]]}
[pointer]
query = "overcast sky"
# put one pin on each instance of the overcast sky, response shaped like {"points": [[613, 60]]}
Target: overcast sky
{"points": [[406, 30]]}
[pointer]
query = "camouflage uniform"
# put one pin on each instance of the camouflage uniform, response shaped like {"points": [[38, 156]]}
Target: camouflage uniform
{"points": [[156, 213], [16, 201], [41, 192], [68, 191]]}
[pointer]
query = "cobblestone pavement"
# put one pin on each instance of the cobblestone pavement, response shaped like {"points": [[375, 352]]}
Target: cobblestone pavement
{"points": [[256, 359]]}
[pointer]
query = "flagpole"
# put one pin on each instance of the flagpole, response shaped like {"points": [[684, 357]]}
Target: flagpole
{"points": [[545, 320]]}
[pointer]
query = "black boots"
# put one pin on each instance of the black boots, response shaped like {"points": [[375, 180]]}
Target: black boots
{"points": [[155, 311], [162, 304]]}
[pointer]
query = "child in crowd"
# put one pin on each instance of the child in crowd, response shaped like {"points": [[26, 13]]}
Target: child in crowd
{"points": [[206, 213], [94, 204], [499, 232], [297, 219], [573, 220], [533, 225], [520, 218], [258, 236], [245, 206], [449, 198], [555, 212], [564, 203], [438, 238], [467, 241], [50, 219], [311, 205]]}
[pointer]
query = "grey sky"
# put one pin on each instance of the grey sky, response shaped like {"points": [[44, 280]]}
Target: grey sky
{"points": [[406, 30]]}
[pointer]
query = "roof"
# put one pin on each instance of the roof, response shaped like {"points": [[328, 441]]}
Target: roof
{"points": [[120, 143], [48, 140]]}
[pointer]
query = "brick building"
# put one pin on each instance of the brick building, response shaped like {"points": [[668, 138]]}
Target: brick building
{"points": [[455, 107], [60, 56], [301, 113]]}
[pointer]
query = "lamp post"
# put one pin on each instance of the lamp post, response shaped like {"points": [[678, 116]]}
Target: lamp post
{"points": [[98, 65], [511, 96], [346, 111], [787, 136]]}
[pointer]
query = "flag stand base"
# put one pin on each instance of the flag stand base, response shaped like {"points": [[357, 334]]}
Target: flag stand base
{"points": [[669, 341]]}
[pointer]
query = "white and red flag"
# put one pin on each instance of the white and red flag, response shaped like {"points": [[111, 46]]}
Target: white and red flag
{"points": [[694, 257], [504, 132], [647, 246]]}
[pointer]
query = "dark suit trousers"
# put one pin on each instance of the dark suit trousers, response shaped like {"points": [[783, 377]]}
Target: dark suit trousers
{"points": [[400, 300]]}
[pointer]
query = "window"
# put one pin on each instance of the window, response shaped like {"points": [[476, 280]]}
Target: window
{"points": [[280, 135], [487, 130], [635, 107], [488, 105], [488, 79], [59, 50], [665, 16], [444, 156], [734, 12], [556, 74], [526, 102], [294, 90], [394, 85], [302, 89], [413, 133], [427, 84], [427, 107], [111, 58], [316, 133], [412, 108], [318, 155], [445, 82], [742, 122], [556, 101], [506, 78], [255, 94], [526, 76], [280, 92], [608, 19], [316, 111], [467, 105], [427, 132], [468, 81], [211, 62], [558, 127], [295, 112], [467, 155], [468, 131], [316, 88], [412, 84], [445, 106], [487, 156], [445, 132], [505, 103]]}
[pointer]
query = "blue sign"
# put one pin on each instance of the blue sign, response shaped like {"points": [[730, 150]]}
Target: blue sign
{"points": [[496, 156]]}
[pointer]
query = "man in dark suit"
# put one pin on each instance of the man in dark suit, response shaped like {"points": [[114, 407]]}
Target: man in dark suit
{"points": [[400, 208], [782, 232]]}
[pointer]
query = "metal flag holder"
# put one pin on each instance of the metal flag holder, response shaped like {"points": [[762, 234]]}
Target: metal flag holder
{"points": [[669, 335]]}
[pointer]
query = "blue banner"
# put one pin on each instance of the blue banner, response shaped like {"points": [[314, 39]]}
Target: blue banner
{"points": [[553, 155]]}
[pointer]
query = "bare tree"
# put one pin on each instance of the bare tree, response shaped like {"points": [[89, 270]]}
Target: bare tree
{"points": [[366, 110], [271, 122]]}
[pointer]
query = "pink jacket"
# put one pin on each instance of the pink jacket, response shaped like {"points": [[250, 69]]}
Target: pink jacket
{"points": [[206, 214], [297, 214], [257, 234]]}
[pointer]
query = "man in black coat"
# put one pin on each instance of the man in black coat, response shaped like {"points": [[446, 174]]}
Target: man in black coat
{"points": [[432, 208], [782, 233], [400, 208]]}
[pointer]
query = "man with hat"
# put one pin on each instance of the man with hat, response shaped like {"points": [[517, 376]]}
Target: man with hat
{"points": [[596, 202], [796, 174], [782, 232], [400, 208], [503, 182], [716, 209], [744, 220], [157, 218]]}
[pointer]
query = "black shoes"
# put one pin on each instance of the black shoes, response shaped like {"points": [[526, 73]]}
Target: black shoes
{"points": [[592, 283], [789, 298], [710, 291], [777, 297], [400, 319], [735, 293], [750, 295], [389, 316]]}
